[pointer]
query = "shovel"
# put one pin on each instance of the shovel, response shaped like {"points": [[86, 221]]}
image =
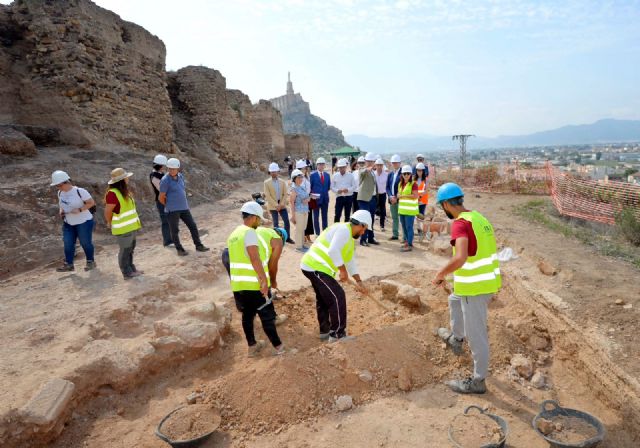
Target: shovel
{"points": [[376, 301]]}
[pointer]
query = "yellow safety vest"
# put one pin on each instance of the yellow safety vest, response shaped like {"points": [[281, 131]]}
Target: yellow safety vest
{"points": [[480, 274], [127, 220], [407, 207], [317, 257], [243, 276]]}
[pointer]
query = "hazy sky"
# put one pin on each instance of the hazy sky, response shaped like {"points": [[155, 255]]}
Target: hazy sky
{"points": [[389, 68]]}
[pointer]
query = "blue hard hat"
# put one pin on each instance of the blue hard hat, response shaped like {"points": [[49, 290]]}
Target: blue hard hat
{"points": [[449, 191], [283, 233]]}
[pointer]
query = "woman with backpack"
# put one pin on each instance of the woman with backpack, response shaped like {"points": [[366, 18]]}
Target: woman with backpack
{"points": [[121, 217], [76, 208]]}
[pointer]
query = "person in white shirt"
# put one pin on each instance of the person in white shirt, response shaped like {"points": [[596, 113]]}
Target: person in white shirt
{"points": [[342, 185], [392, 194], [381, 179], [355, 171]]}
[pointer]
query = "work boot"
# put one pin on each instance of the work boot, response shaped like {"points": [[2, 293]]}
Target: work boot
{"points": [[374, 242], [323, 336], [90, 266], [182, 252], [202, 248], [66, 268], [280, 319], [255, 349], [131, 275], [453, 343], [290, 241], [333, 340], [467, 386], [394, 238]]}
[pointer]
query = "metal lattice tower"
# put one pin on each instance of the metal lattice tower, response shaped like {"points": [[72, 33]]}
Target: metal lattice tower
{"points": [[463, 147]]}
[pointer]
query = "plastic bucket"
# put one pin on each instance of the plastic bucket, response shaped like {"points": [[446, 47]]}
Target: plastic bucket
{"points": [[499, 420], [191, 443], [550, 409]]}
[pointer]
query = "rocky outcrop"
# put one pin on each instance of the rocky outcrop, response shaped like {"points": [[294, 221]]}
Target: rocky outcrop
{"points": [[73, 66], [15, 143], [211, 121]]}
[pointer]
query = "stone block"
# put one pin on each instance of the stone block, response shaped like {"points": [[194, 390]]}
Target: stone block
{"points": [[49, 403], [442, 246]]}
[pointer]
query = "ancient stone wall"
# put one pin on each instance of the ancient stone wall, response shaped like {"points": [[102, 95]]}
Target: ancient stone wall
{"points": [[267, 136], [74, 66], [298, 146]]}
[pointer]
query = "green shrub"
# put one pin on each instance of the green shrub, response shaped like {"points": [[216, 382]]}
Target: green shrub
{"points": [[628, 225]]}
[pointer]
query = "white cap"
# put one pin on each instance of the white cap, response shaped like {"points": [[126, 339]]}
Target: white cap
{"points": [[320, 160], [173, 163], [406, 169], [420, 166], [370, 157], [342, 163], [363, 217], [361, 159], [301, 164], [419, 156], [160, 160], [395, 158], [295, 173], [379, 162], [252, 208], [58, 177], [273, 167]]}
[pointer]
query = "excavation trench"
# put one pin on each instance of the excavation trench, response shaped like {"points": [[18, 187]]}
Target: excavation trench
{"points": [[395, 351]]}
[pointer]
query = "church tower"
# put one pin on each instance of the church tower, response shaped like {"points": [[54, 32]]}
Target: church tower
{"points": [[289, 84]]}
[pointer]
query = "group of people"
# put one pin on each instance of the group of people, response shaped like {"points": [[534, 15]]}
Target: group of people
{"points": [[77, 207], [330, 261]]}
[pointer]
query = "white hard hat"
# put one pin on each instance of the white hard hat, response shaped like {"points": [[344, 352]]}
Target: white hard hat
{"points": [[295, 173], [361, 159], [342, 163], [252, 208], [379, 162], [273, 167], [420, 166], [406, 169], [419, 156], [320, 160], [59, 177], [160, 160], [301, 164], [395, 158], [363, 217], [370, 157], [173, 163]]}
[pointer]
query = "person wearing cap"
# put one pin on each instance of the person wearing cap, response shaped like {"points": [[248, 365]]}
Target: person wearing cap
{"points": [[249, 277], [368, 197], [331, 256], [275, 192], [421, 179], [74, 207], [476, 278], [407, 206], [320, 186], [173, 196], [381, 175], [342, 186], [121, 217], [357, 166], [393, 180], [159, 164], [299, 199]]}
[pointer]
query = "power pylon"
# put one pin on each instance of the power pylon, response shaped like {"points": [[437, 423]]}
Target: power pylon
{"points": [[463, 147]]}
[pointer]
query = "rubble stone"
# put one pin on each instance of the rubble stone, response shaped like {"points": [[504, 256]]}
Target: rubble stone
{"points": [[522, 366], [538, 380], [344, 403], [49, 403]]}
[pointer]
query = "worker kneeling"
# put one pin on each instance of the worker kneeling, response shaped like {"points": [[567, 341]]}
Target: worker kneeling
{"points": [[331, 255], [250, 282]]}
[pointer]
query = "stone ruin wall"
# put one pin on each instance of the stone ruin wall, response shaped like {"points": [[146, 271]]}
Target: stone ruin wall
{"points": [[74, 66], [298, 145]]}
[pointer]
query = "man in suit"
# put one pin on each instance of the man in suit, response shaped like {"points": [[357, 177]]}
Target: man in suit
{"points": [[275, 192], [368, 196], [392, 193], [320, 186]]}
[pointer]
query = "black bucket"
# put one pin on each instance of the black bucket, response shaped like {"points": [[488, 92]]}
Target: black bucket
{"points": [[499, 420], [191, 443], [555, 411]]}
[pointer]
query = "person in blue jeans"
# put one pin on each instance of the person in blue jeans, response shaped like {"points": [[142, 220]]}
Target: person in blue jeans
{"points": [[159, 163], [74, 205]]}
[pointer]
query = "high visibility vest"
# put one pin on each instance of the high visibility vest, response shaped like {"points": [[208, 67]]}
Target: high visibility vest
{"points": [[243, 276], [480, 274], [127, 220], [423, 191], [317, 257], [265, 235], [407, 207]]}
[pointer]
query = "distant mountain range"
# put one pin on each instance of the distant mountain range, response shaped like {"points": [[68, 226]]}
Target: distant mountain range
{"points": [[602, 131]]}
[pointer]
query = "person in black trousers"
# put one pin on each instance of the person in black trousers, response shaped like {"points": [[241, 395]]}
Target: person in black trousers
{"points": [[159, 163]]}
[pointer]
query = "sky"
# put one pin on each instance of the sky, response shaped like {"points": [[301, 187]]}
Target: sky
{"points": [[411, 67]]}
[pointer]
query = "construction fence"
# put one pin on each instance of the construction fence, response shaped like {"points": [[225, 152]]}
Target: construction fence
{"points": [[592, 200]]}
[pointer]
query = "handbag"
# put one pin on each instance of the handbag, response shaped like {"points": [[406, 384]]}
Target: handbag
{"points": [[313, 204]]}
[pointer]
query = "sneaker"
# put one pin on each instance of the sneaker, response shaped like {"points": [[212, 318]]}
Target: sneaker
{"points": [[255, 349], [467, 386], [66, 268], [290, 241], [394, 238], [90, 266], [131, 275], [323, 336], [453, 343], [281, 318], [202, 248], [279, 350], [333, 340], [374, 242], [168, 245], [364, 243], [406, 248], [302, 249], [182, 252]]}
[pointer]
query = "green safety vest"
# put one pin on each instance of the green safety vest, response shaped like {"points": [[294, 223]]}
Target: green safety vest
{"points": [[265, 235], [317, 257], [480, 274], [407, 207], [127, 220], [243, 276]]}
